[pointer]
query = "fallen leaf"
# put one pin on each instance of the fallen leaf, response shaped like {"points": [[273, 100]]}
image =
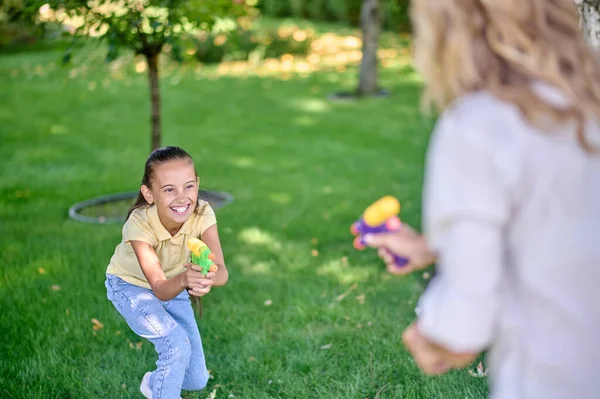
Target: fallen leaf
{"points": [[138, 345], [96, 324], [480, 373], [314, 241], [55, 287], [212, 395], [344, 260], [347, 318], [480, 369], [67, 312], [22, 194], [251, 359], [314, 252], [268, 302], [359, 325], [426, 275], [326, 346], [361, 299], [118, 332], [210, 376], [369, 324], [41, 270], [124, 386]]}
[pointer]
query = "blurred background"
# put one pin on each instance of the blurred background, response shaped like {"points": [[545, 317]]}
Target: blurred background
{"points": [[298, 114]]}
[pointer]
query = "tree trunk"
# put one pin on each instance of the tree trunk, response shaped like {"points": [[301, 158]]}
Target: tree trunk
{"points": [[152, 59], [370, 21], [590, 20]]}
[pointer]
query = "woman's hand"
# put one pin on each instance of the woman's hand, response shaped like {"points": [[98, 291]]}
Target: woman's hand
{"points": [[432, 358], [197, 283], [406, 243]]}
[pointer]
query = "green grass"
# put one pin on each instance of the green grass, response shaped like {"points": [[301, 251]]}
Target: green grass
{"points": [[301, 170]]}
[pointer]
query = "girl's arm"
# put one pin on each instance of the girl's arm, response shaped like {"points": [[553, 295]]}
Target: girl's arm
{"points": [[211, 239], [163, 288]]}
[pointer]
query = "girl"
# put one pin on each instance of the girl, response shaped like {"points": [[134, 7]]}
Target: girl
{"points": [[511, 197], [148, 279]]}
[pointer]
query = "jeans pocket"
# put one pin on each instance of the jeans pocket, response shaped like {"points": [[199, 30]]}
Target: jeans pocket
{"points": [[114, 285]]}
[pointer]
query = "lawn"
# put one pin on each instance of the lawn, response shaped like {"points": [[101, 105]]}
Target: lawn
{"points": [[303, 315]]}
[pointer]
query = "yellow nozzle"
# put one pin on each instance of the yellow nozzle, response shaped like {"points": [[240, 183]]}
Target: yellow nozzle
{"points": [[381, 210], [195, 245]]}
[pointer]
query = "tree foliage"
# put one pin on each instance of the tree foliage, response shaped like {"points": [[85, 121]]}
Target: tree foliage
{"points": [[146, 27]]}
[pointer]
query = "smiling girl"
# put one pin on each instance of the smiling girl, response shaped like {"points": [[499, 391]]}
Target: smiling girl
{"points": [[150, 280]]}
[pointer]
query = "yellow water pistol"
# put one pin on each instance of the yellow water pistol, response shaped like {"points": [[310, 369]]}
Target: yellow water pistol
{"points": [[202, 256]]}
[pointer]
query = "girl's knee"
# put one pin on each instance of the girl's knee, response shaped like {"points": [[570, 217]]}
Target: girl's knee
{"points": [[197, 378]]}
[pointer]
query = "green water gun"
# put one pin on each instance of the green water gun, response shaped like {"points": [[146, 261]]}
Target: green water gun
{"points": [[202, 256]]}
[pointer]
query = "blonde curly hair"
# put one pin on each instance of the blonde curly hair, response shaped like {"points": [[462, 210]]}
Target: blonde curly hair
{"points": [[502, 46]]}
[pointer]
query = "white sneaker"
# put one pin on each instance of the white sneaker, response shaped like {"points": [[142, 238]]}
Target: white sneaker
{"points": [[145, 386]]}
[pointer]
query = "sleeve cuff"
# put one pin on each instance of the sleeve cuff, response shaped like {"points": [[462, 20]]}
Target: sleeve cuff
{"points": [[460, 324]]}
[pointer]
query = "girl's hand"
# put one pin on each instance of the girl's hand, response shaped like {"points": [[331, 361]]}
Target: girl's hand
{"points": [[198, 284], [432, 358], [192, 276], [406, 243]]}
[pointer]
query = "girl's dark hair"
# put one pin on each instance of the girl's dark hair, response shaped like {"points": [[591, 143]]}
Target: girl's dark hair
{"points": [[157, 156]]}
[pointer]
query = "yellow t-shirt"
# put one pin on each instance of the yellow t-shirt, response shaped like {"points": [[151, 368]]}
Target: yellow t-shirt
{"points": [[144, 225]]}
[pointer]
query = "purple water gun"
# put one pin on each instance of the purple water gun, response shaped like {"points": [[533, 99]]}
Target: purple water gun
{"points": [[380, 217]]}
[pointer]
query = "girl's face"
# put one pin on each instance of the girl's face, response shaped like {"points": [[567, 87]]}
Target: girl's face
{"points": [[174, 191]]}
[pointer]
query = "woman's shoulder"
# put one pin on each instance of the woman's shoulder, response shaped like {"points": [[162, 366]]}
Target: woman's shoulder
{"points": [[483, 107], [479, 128], [479, 107], [482, 118]]}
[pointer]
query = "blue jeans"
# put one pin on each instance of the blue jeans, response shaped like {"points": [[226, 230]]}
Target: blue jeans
{"points": [[171, 327]]}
